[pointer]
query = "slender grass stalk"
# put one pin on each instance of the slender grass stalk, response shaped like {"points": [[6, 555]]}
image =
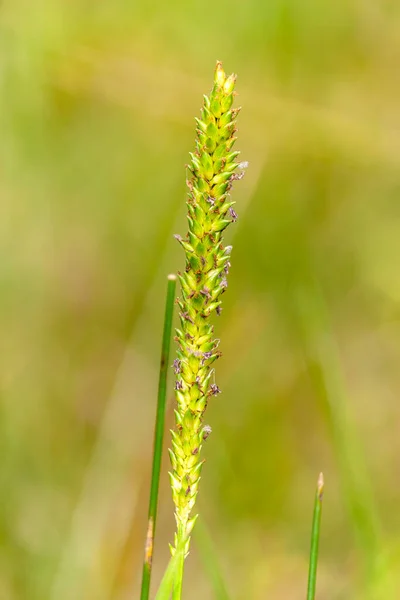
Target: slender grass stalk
{"points": [[212, 171], [312, 572], [328, 376], [158, 438]]}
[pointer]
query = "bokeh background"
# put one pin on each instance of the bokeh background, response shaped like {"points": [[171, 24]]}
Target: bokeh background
{"points": [[97, 107]]}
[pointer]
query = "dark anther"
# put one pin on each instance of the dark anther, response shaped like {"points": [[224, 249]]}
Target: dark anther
{"points": [[237, 176], [178, 237], [224, 283], [207, 355], [218, 310], [205, 292], [214, 389], [187, 317], [195, 451], [202, 260], [211, 200], [177, 366], [233, 214], [197, 379], [178, 385], [187, 491], [206, 431]]}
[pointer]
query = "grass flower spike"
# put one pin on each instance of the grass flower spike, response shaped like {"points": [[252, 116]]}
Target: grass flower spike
{"points": [[212, 171]]}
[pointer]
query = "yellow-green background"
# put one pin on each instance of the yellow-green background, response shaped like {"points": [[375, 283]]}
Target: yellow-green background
{"points": [[97, 106]]}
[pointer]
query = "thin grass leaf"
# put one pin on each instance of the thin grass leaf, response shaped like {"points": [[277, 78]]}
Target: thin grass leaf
{"points": [[210, 560], [167, 582], [158, 438], [312, 572], [322, 350]]}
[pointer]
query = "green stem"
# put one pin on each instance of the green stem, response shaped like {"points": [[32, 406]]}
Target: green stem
{"points": [[158, 438], [178, 582], [312, 572], [327, 372]]}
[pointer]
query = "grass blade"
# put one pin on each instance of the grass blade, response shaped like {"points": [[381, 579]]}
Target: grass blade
{"points": [[327, 375], [158, 438], [210, 560], [169, 578], [312, 573]]}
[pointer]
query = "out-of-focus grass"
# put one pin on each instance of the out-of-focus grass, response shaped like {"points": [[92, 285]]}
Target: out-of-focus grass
{"points": [[97, 103]]}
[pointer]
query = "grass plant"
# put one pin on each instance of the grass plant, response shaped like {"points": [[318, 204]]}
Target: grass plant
{"points": [[321, 347], [94, 112], [212, 171]]}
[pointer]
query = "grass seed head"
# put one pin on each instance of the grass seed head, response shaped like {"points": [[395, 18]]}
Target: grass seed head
{"points": [[211, 173]]}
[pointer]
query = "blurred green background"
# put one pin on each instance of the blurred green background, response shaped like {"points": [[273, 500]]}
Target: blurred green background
{"points": [[97, 109]]}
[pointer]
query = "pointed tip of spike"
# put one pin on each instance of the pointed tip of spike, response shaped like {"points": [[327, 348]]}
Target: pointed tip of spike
{"points": [[220, 76], [320, 485]]}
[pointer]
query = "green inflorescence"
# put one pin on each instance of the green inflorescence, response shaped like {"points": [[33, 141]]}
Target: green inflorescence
{"points": [[212, 171]]}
